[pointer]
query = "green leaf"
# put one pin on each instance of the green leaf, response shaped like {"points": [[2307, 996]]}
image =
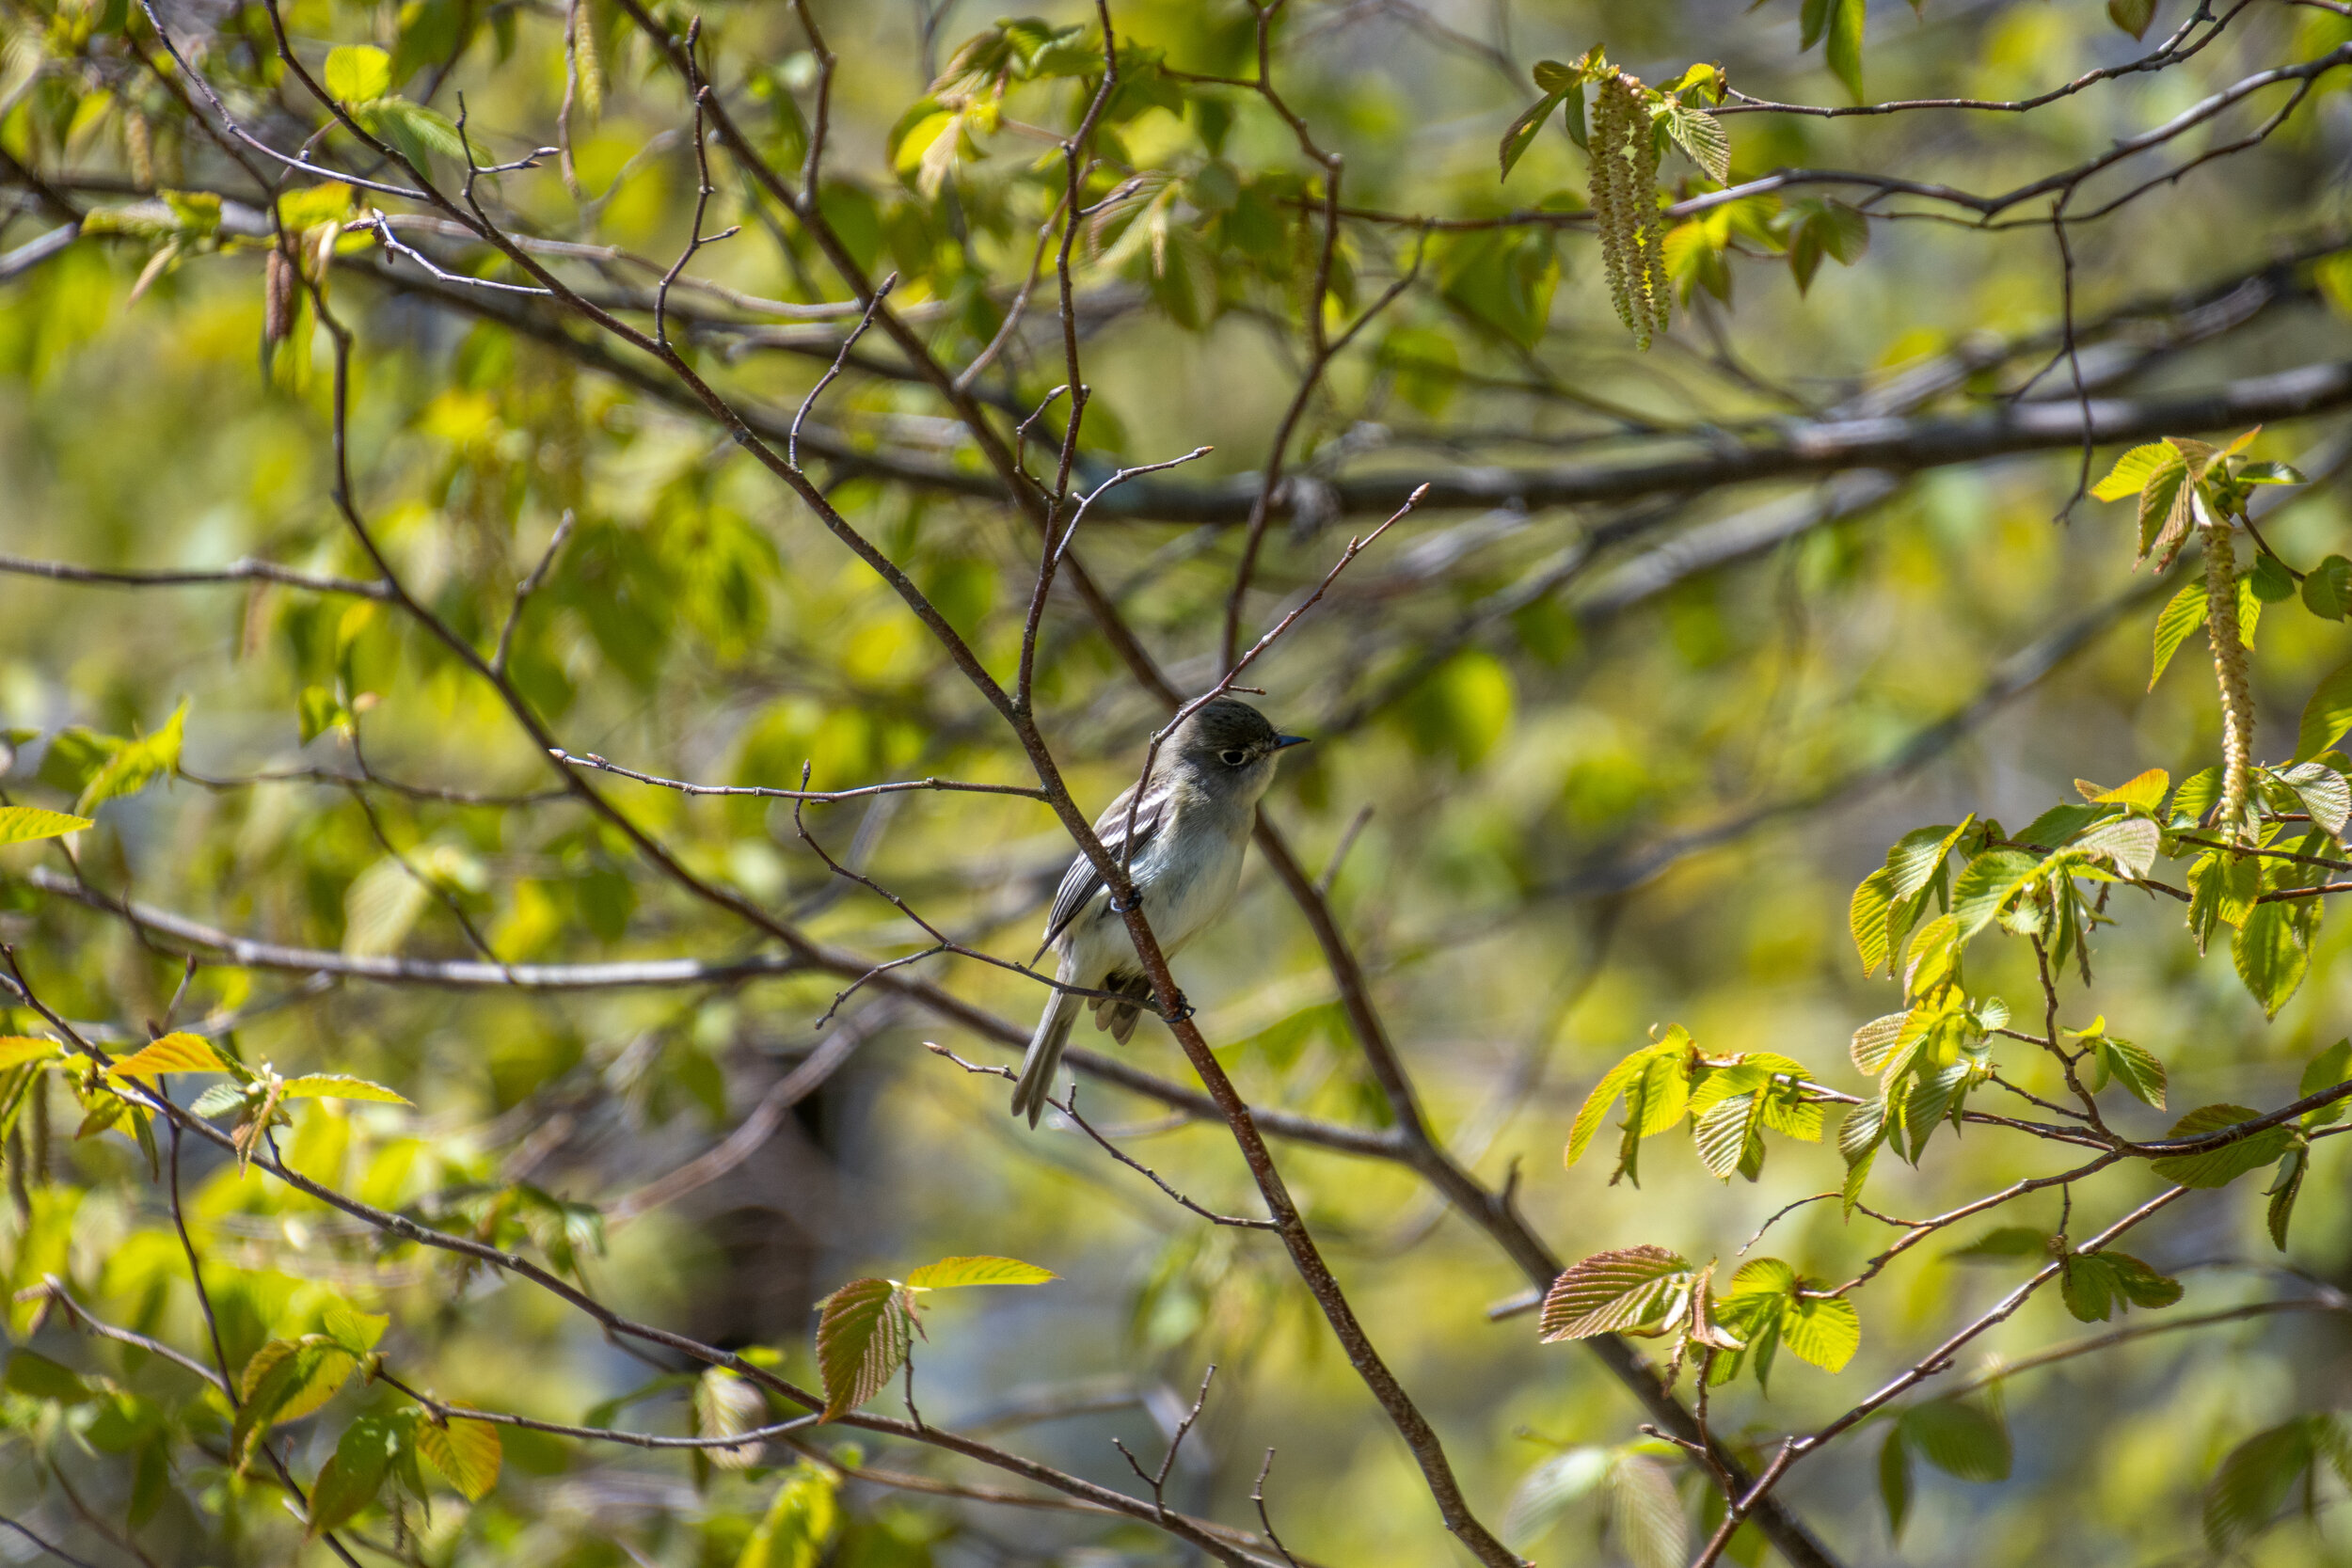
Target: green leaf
{"points": [[1612, 1291], [320, 710], [338, 1085], [2326, 1071], [2182, 616], [2008, 1241], [1646, 1514], [2269, 580], [1823, 1330], [801, 1520], [1549, 1491], [2328, 587], [467, 1453], [950, 1272], [1895, 1479], [357, 72], [1844, 48], [2134, 469], [33, 1374], [1989, 882], [2270, 956], [2142, 792], [350, 1478], [2324, 793], [2326, 716], [1596, 1107], [1874, 1043], [17, 1050], [1523, 130], [135, 764], [2269, 473], [2283, 1194], [285, 1381], [1867, 918], [178, 1051], [863, 1333], [2132, 16], [2258, 1476], [2218, 1167], [356, 1331], [2134, 1068], [1961, 1440], [1702, 139], [2196, 795], [24, 824]]}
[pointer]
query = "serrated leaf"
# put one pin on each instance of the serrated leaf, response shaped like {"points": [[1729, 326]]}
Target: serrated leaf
{"points": [[1549, 1491], [1961, 1440], [2180, 619], [1823, 1330], [2142, 792], [950, 1272], [178, 1051], [2132, 470], [2130, 842], [338, 1085], [2324, 1071], [356, 1331], [357, 72], [1702, 137], [2326, 716], [217, 1099], [1843, 49], [1865, 917], [1989, 881], [1875, 1042], [1646, 1514], [2270, 956], [2324, 792], [284, 1381], [17, 1050], [1913, 860], [2328, 587], [135, 764], [2218, 1167], [2257, 1476], [1596, 1107], [729, 1405], [2270, 473], [467, 1453], [1613, 1290], [2134, 1068], [864, 1334], [24, 824], [352, 1475]]}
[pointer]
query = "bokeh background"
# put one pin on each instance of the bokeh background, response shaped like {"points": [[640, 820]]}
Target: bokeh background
{"points": [[1641, 796]]}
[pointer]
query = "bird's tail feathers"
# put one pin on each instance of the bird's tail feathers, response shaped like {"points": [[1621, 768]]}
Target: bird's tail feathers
{"points": [[1043, 1060]]}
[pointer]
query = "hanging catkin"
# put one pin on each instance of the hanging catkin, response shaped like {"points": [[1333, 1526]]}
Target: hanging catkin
{"points": [[1625, 206], [2228, 666]]}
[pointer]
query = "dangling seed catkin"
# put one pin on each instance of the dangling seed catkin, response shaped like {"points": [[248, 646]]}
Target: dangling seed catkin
{"points": [[2229, 665], [1625, 206]]}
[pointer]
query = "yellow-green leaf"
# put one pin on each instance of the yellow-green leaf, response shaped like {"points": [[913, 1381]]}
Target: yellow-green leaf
{"points": [[178, 1051], [22, 824], [465, 1452], [950, 1272], [16, 1050], [338, 1086]]}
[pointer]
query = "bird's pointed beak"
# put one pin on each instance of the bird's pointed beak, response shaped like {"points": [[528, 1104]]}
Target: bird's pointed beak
{"points": [[1284, 741]]}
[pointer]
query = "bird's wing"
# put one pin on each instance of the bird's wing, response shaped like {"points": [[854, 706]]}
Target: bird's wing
{"points": [[1081, 882]]}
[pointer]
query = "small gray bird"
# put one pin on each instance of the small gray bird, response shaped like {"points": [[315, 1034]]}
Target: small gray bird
{"points": [[1190, 827]]}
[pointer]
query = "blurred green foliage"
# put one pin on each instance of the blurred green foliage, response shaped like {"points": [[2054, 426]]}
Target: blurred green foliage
{"points": [[1584, 773]]}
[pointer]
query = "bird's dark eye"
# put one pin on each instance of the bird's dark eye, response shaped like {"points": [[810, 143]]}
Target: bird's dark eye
{"points": [[1233, 759]]}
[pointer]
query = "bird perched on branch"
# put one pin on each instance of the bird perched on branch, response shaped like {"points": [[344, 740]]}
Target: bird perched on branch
{"points": [[1190, 828]]}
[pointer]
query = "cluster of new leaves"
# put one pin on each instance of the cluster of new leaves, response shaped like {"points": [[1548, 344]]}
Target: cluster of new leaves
{"points": [[1655, 1293], [1629, 131], [1731, 1101], [865, 1330]]}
